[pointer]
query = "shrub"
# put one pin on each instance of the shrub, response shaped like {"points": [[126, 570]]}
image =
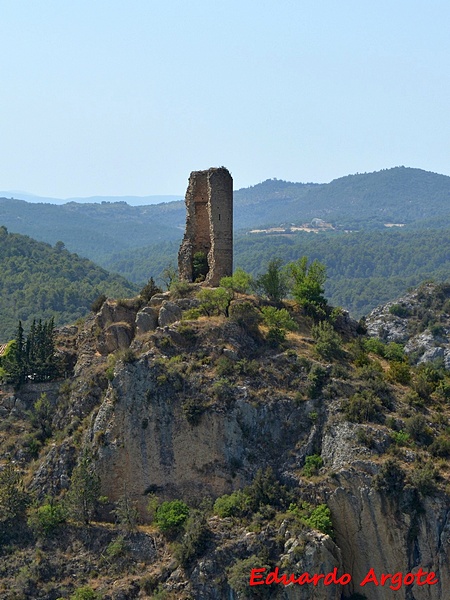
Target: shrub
{"points": [[116, 548], [401, 438], [127, 356], [193, 410], [400, 311], [266, 490], [399, 372], [417, 428], [13, 497], [214, 301], [126, 513], [231, 505], [179, 289], [245, 314], [375, 345], [85, 593], [83, 496], [362, 407], [307, 282], [277, 318], [423, 478], [44, 519], [328, 341], [240, 281], [315, 381], [394, 351], [390, 478], [171, 515], [313, 463], [441, 446], [98, 303], [222, 390], [149, 290], [224, 366], [200, 266], [238, 578], [320, 519]]}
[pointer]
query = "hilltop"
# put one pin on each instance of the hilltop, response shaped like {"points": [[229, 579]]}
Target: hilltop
{"points": [[229, 435]]}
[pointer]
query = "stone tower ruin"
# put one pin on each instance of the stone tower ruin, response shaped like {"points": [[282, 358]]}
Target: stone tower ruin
{"points": [[208, 238]]}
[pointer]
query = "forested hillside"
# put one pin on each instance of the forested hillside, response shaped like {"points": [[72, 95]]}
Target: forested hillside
{"points": [[38, 281], [94, 230]]}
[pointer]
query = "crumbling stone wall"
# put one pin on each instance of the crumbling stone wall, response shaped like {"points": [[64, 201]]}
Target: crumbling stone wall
{"points": [[209, 225]]}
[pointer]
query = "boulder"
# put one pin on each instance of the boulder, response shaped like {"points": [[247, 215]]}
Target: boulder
{"points": [[147, 319], [169, 313], [118, 336]]}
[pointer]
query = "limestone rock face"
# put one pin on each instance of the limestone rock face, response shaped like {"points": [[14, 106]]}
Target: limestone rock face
{"points": [[144, 442], [406, 321], [113, 312], [116, 324], [149, 443], [390, 534], [146, 319], [118, 336], [169, 313]]}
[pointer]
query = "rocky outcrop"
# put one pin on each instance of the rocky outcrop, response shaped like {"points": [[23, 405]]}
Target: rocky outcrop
{"points": [[169, 313], [420, 320], [146, 320], [390, 533], [148, 442]]}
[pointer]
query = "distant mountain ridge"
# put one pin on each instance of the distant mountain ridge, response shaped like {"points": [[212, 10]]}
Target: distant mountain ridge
{"points": [[362, 201], [131, 200]]}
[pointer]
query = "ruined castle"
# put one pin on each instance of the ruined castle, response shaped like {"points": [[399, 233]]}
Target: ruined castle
{"points": [[208, 238]]}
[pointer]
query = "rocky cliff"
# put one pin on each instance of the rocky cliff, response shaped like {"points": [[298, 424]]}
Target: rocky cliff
{"points": [[175, 407]]}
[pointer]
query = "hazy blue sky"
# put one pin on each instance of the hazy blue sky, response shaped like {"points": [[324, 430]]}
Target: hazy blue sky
{"points": [[101, 97]]}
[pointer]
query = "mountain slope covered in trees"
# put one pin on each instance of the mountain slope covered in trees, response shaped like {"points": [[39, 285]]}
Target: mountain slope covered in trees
{"points": [[40, 281]]}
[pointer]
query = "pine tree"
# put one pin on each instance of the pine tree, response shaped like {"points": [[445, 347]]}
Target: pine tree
{"points": [[84, 491]]}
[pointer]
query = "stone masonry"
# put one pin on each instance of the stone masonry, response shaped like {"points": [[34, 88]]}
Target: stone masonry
{"points": [[209, 225]]}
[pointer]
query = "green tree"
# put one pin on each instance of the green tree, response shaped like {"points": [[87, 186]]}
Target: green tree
{"points": [[171, 515], [41, 416], [240, 282], [273, 284], [44, 519], [83, 495], [149, 290], [328, 341], [278, 321], [13, 497], [214, 301], [195, 538], [307, 282], [126, 513], [320, 519], [85, 593]]}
